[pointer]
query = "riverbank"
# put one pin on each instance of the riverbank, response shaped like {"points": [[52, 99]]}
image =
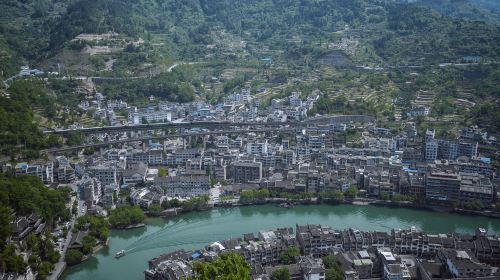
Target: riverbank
{"points": [[132, 226], [196, 229], [173, 212]]}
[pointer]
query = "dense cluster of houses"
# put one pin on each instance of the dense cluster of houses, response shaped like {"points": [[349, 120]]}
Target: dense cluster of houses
{"points": [[317, 159], [400, 254], [311, 160]]}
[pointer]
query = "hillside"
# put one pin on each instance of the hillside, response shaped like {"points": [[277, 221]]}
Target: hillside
{"points": [[481, 10], [41, 32], [422, 46]]}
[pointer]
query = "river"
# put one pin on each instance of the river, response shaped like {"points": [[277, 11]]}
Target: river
{"points": [[195, 230]]}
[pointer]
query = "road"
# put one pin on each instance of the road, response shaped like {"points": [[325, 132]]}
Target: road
{"points": [[169, 69], [216, 124], [61, 264], [168, 136]]}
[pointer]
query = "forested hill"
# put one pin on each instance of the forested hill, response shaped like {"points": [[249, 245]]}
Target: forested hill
{"points": [[484, 10], [31, 31]]}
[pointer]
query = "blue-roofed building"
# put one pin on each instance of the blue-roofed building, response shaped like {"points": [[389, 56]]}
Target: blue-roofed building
{"points": [[196, 255], [486, 160]]}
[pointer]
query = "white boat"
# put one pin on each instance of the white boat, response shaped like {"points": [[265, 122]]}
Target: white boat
{"points": [[120, 254]]}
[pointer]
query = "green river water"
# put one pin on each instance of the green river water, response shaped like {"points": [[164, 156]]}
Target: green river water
{"points": [[195, 230]]}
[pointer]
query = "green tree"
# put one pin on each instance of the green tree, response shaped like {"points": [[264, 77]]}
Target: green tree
{"points": [[162, 172], [98, 226], [10, 261], [352, 192], [330, 262], [73, 257], [247, 196], [226, 266], [497, 206], [337, 196], [126, 215], [27, 194], [44, 269], [155, 208], [281, 274], [290, 255], [6, 218], [33, 243], [333, 270], [333, 274], [385, 196], [88, 243], [263, 194]]}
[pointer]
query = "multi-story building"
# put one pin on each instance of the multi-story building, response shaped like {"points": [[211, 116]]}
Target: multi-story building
{"points": [[431, 151], [393, 267], [63, 172], [222, 143], [442, 186], [316, 142], [170, 270], [180, 157], [243, 172], [474, 166], [463, 264], [135, 174], [90, 190], [152, 157], [43, 171], [116, 104], [104, 172], [474, 187], [451, 150], [316, 240], [185, 186], [257, 148], [149, 114]]}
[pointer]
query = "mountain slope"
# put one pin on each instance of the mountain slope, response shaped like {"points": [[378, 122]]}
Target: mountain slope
{"points": [[398, 33]]}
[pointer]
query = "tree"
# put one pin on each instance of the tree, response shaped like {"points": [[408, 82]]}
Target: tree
{"points": [[6, 218], [247, 196], [27, 194], [337, 196], [33, 243], [98, 226], [281, 274], [213, 181], [329, 261], [126, 215], [333, 270], [155, 208], [497, 206], [88, 243], [332, 274], [10, 261], [44, 269], [385, 196], [162, 172], [288, 257], [352, 192], [73, 257], [226, 266], [262, 194]]}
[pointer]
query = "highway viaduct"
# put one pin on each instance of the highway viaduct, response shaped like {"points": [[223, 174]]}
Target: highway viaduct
{"points": [[213, 125]]}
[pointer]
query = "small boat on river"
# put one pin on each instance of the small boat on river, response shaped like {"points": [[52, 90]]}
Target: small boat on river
{"points": [[120, 254]]}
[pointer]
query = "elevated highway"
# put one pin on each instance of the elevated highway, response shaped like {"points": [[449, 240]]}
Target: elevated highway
{"points": [[168, 136], [215, 124]]}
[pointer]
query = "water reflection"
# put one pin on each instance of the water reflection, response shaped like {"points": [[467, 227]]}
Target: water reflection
{"points": [[91, 264], [129, 233], [197, 229]]}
